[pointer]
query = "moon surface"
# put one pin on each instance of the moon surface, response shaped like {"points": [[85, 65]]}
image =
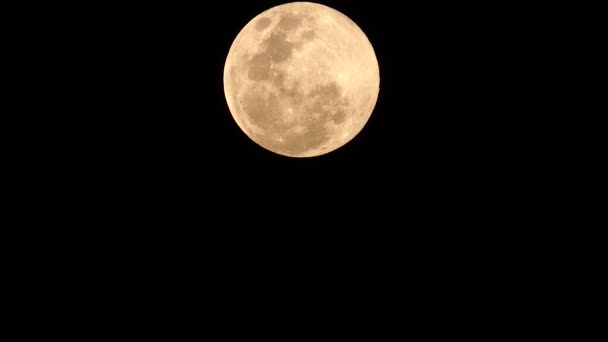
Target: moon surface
{"points": [[301, 79]]}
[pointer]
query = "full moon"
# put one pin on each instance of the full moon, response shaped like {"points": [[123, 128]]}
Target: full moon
{"points": [[301, 79]]}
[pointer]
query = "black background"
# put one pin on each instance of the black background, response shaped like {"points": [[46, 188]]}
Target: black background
{"points": [[436, 144], [153, 180], [159, 176], [153, 184]]}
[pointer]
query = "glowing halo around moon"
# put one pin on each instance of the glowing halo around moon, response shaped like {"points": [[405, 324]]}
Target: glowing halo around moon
{"points": [[301, 79]]}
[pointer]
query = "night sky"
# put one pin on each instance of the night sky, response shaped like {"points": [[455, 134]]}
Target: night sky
{"points": [[430, 140], [154, 180], [153, 163]]}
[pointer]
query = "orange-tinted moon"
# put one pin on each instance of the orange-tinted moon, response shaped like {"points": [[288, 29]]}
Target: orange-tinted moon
{"points": [[301, 79]]}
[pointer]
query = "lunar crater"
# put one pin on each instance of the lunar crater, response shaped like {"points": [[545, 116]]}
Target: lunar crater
{"points": [[263, 23], [290, 21]]}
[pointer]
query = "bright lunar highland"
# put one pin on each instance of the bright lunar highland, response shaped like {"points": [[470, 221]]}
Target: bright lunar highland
{"points": [[301, 79]]}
